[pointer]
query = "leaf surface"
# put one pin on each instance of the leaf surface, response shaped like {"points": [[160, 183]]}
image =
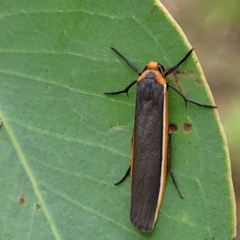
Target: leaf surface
{"points": [[64, 143]]}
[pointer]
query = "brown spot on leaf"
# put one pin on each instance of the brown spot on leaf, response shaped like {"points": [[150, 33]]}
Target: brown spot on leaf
{"points": [[173, 127], [182, 72], [22, 200], [177, 75], [187, 127], [198, 81]]}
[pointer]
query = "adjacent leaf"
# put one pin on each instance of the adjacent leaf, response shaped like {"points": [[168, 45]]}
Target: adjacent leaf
{"points": [[64, 143]]}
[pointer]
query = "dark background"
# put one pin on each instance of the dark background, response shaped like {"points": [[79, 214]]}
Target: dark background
{"points": [[213, 28]]}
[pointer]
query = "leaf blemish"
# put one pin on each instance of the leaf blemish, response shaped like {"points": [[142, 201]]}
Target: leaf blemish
{"points": [[38, 206], [117, 127], [173, 127], [197, 81], [187, 127], [22, 200]]}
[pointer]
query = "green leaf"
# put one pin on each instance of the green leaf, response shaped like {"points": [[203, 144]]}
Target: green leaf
{"points": [[64, 143]]}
